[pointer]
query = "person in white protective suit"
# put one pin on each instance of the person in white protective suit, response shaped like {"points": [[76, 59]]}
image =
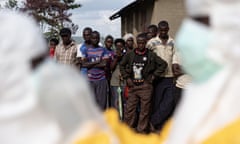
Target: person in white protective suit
{"points": [[209, 44], [66, 96], [44, 105], [21, 119]]}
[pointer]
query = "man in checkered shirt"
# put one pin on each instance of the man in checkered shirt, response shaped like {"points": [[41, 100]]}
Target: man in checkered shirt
{"points": [[66, 51]]}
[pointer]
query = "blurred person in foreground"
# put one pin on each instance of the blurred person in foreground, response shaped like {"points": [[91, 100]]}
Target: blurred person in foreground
{"points": [[40, 101], [66, 96], [208, 42], [21, 118]]}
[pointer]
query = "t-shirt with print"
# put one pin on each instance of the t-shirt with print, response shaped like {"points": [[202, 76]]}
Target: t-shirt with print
{"points": [[139, 63], [92, 55]]}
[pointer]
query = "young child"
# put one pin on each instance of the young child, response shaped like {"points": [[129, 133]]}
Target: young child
{"points": [[52, 46]]}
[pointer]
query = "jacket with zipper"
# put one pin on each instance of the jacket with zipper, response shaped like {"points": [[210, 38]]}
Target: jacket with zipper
{"points": [[155, 66]]}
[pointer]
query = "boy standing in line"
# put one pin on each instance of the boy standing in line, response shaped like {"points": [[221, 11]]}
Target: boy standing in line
{"points": [[87, 32], [139, 67], [95, 60], [116, 75], [108, 42]]}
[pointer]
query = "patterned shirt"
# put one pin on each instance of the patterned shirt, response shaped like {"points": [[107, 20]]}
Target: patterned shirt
{"points": [[92, 55], [66, 54], [166, 52]]}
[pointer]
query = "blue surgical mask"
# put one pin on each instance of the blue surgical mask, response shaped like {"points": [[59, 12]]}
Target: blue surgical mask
{"points": [[193, 41]]}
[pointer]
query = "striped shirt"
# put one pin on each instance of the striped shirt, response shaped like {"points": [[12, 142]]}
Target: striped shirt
{"points": [[92, 55], [66, 54]]}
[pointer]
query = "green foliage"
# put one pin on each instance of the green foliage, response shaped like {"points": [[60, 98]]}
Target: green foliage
{"points": [[12, 4], [51, 14], [51, 34]]}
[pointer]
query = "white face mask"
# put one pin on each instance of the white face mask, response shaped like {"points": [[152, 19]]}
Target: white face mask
{"points": [[193, 41]]}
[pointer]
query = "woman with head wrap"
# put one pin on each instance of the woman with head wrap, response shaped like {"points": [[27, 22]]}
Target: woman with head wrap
{"points": [[129, 42]]}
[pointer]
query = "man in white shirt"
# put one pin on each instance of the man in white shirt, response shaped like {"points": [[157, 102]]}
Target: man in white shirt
{"points": [[163, 98]]}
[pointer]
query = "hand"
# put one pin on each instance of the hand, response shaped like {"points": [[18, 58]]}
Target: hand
{"points": [[78, 61], [130, 82], [118, 54], [150, 79], [121, 78], [177, 71]]}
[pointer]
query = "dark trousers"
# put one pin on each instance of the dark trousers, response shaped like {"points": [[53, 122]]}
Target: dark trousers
{"points": [[136, 94], [177, 95], [101, 90], [163, 102]]}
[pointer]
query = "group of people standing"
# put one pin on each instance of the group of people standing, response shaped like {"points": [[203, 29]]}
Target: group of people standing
{"points": [[141, 80], [42, 101]]}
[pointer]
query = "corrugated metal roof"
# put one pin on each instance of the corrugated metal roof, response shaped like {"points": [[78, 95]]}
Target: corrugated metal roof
{"points": [[126, 8]]}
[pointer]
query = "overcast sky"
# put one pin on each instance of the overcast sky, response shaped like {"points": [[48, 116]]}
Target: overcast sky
{"points": [[96, 13]]}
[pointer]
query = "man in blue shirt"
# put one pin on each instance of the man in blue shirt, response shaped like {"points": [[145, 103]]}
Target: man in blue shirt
{"points": [[95, 60], [84, 46]]}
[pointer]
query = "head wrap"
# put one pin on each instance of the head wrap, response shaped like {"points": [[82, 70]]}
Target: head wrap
{"points": [[127, 36]]}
